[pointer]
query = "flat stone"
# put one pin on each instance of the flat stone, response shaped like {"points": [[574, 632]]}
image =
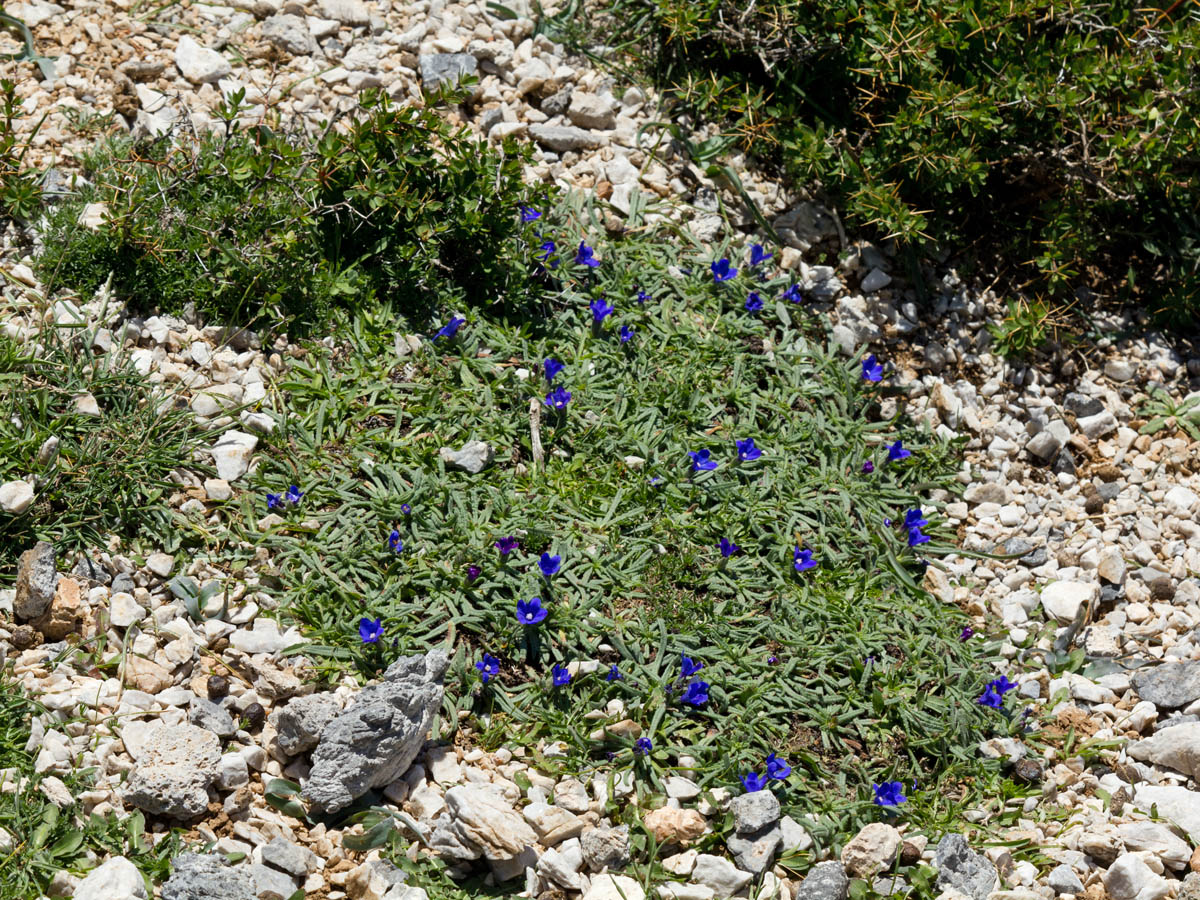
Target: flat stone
{"points": [[674, 826], [211, 717], [290, 34], [614, 887], [16, 497], [1097, 426], [37, 580], [553, 824], [754, 811], [348, 12], [563, 864], [1176, 748], [1064, 880], [1181, 501], [605, 847], [562, 138], [445, 68], [1130, 878], [116, 879], [1081, 405], [231, 454], [199, 64], [202, 876], [160, 564], [374, 741], [484, 821], [474, 457], [1062, 599], [1043, 446], [1158, 839], [124, 611], [755, 851], [1168, 685], [589, 111], [825, 881], [875, 280], [964, 870], [719, 874]]}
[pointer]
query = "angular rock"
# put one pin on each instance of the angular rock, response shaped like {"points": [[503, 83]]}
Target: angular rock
{"points": [[374, 880], [1158, 839], [211, 717], [562, 865], [825, 881], [271, 884], [719, 874], [552, 823], [589, 111], [299, 724], [37, 580], [198, 64], [1131, 878], [614, 887], [1081, 405], [175, 767], [561, 138], [16, 497], [348, 12], [484, 821], [445, 68], [124, 611], [474, 457], [1062, 599], [961, 868], [1097, 426], [1176, 748], [116, 879], [674, 826], [1177, 805], [871, 851], [67, 611], [1063, 878], [1168, 685], [375, 740], [755, 851], [231, 454], [201, 876], [290, 34], [1043, 446], [754, 811], [605, 847]]}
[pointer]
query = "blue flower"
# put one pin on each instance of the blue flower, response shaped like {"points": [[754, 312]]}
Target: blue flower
{"points": [[642, 296], [759, 255], [613, 674], [747, 451], [721, 270], [642, 746], [450, 329], [560, 675], [405, 509], [293, 495], [753, 782], [777, 768], [966, 634], [754, 302], [793, 294], [868, 467], [701, 461], [600, 309], [548, 248], [530, 612], [896, 451], [1002, 685], [489, 667], [394, 543], [872, 370], [626, 333], [551, 367], [473, 572], [585, 256], [890, 793], [802, 560], [914, 519], [507, 545], [370, 630], [528, 213], [549, 564], [728, 547], [989, 697], [915, 537], [688, 666], [696, 693], [558, 398], [274, 501]]}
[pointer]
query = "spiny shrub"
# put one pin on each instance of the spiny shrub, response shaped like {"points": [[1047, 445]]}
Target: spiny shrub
{"points": [[1052, 139], [259, 225]]}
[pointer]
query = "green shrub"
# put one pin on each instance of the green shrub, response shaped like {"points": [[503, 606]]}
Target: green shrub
{"points": [[260, 225], [20, 195], [1055, 140]]}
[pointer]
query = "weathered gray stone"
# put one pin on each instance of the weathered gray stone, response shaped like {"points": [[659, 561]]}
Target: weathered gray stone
{"points": [[871, 851], [963, 869], [561, 138], [605, 847], [299, 724], [198, 876], [754, 811], [481, 819], [211, 717], [443, 68], [1176, 748], [1081, 406], [36, 581], [589, 111], [719, 874], [825, 881], [289, 857], [1063, 878], [474, 457], [290, 34], [1169, 685], [755, 851], [176, 764], [375, 740], [116, 878], [271, 884]]}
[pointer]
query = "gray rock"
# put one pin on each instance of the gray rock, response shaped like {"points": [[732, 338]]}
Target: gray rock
{"points": [[1063, 878], [1119, 369], [719, 874], [122, 583], [1169, 685], [605, 847], [963, 869], [211, 717], [474, 457], [299, 724], [1081, 406], [198, 876], [825, 881], [271, 884], [754, 811], [199, 64], [176, 764], [1190, 889], [348, 12], [755, 852], [116, 878], [290, 34], [484, 821], [1176, 747], [87, 570], [1043, 447], [589, 111], [375, 740], [561, 138], [556, 104], [37, 580], [289, 857], [440, 68], [1097, 426]]}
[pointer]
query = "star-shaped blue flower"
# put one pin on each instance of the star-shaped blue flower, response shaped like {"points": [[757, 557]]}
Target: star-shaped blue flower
{"points": [[560, 675], [625, 333], [489, 667], [394, 543], [872, 370], [890, 793], [642, 746], [747, 451], [370, 630], [753, 782], [792, 294], [721, 270], [728, 547], [292, 495], [696, 693], [600, 309], [802, 560], [777, 768], [558, 398], [688, 666], [530, 612], [754, 303], [702, 461], [613, 674]]}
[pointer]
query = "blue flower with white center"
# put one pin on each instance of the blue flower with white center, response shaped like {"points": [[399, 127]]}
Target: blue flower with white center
{"points": [[394, 543], [560, 675], [489, 667], [802, 560], [625, 333], [890, 793], [370, 630], [702, 461], [746, 450], [558, 398], [292, 495], [721, 270], [872, 370], [530, 612], [642, 296]]}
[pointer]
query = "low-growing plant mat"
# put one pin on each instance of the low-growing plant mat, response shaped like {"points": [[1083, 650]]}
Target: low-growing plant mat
{"points": [[109, 473], [848, 670]]}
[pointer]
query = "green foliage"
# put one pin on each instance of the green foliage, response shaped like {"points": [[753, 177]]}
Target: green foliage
{"points": [[1162, 411], [870, 680], [1025, 329], [20, 195], [256, 226], [110, 473], [1052, 138]]}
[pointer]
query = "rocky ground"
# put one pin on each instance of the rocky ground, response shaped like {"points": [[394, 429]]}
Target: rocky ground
{"points": [[1097, 524]]}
